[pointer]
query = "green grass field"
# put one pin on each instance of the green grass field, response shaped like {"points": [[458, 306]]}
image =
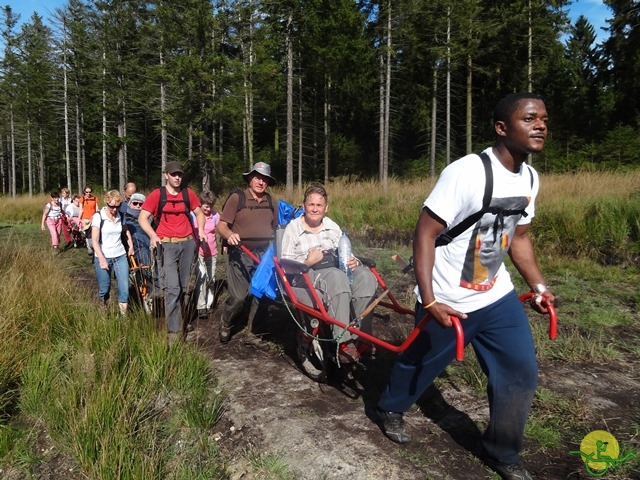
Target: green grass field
{"points": [[112, 401]]}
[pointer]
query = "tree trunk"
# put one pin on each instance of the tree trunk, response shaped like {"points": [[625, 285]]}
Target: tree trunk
{"points": [[381, 117], [469, 112], [327, 128], [82, 177], [434, 113], [67, 151], [29, 159], [164, 135], [104, 126], [41, 160], [289, 186], [12, 173], [387, 102], [248, 93], [448, 113], [300, 132], [122, 148]]}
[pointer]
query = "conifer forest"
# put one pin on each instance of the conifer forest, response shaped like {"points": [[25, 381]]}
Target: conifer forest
{"points": [[107, 91]]}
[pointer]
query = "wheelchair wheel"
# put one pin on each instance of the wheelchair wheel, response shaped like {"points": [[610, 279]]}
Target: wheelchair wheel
{"points": [[312, 349]]}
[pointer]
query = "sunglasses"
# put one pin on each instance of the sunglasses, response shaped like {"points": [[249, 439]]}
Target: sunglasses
{"points": [[113, 206], [87, 191], [136, 204]]}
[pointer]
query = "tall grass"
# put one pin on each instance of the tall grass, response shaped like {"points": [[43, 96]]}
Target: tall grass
{"points": [[589, 215], [585, 214], [108, 390]]}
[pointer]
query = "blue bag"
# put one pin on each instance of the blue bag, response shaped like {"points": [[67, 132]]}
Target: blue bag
{"points": [[263, 281]]}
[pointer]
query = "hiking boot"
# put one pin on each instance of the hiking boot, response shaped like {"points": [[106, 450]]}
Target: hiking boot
{"points": [[511, 472], [225, 330], [391, 424], [347, 353]]}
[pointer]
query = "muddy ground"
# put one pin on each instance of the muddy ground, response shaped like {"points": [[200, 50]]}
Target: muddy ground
{"points": [[321, 430]]}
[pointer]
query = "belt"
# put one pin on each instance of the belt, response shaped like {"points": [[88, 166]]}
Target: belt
{"points": [[176, 239]]}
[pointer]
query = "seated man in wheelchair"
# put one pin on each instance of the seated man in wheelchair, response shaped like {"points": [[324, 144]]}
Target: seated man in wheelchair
{"points": [[312, 239]]}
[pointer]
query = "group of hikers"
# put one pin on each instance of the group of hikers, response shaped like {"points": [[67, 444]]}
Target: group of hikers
{"points": [[478, 212]]}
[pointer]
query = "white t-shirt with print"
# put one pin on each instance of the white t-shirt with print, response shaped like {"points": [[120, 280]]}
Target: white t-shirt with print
{"points": [[112, 246], [469, 272]]}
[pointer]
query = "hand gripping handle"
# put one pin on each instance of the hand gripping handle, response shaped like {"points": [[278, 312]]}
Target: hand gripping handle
{"points": [[553, 319]]}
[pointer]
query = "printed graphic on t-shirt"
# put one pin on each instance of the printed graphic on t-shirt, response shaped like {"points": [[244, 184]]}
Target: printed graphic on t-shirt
{"points": [[490, 242]]}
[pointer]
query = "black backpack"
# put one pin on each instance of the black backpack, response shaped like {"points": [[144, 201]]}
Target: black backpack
{"points": [[446, 237], [163, 201]]}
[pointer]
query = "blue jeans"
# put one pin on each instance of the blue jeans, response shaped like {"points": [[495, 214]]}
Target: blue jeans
{"points": [[120, 267], [501, 338]]}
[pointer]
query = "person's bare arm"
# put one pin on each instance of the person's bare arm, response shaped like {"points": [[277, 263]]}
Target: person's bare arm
{"points": [[44, 215], [225, 232], [201, 219], [145, 225], [97, 248], [424, 251], [524, 259]]}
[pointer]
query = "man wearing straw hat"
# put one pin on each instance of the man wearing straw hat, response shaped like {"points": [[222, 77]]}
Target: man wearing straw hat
{"points": [[247, 218]]}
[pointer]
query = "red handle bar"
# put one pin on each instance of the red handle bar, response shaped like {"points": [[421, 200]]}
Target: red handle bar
{"points": [[553, 319], [250, 253]]}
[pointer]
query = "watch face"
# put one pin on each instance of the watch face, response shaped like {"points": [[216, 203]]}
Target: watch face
{"points": [[540, 288]]}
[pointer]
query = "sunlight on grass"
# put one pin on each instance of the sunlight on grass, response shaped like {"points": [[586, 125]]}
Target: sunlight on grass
{"points": [[107, 390]]}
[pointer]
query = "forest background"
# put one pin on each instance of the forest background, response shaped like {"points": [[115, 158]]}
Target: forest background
{"points": [[109, 91]]}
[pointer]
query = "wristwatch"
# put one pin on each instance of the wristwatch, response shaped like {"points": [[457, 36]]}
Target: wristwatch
{"points": [[540, 288]]}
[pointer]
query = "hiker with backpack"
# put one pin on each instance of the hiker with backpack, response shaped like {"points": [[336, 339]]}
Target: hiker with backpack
{"points": [[110, 252], [171, 207], [248, 218], [88, 207], [461, 273]]}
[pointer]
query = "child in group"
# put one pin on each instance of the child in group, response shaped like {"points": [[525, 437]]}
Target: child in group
{"points": [[207, 255], [52, 218]]}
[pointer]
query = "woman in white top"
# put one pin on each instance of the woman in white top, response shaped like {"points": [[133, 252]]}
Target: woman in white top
{"points": [[52, 218], [110, 253]]}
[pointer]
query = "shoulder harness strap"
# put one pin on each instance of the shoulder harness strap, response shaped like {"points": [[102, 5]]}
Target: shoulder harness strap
{"points": [[456, 230]]}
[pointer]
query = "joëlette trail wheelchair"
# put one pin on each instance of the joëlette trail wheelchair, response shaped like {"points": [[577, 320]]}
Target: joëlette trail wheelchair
{"points": [[317, 349]]}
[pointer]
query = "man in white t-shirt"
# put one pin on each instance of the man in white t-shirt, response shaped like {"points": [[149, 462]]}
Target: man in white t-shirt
{"points": [[460, 272]]}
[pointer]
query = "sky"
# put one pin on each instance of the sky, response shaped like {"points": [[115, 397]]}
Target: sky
{"points": [[594, 10]]}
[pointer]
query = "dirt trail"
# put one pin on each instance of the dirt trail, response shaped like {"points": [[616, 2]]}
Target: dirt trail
{"points": [[322, 432]]}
